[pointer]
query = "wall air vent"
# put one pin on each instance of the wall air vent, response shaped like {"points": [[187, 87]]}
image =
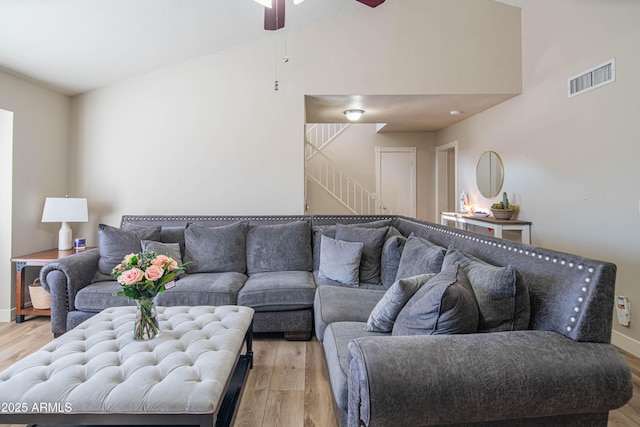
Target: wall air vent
{"points": [[598, 76]]}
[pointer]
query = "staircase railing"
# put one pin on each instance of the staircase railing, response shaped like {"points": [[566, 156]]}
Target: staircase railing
{"points": [[344, 188], [319, 135]]}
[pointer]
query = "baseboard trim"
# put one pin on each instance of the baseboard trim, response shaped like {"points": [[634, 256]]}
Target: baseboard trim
{"points": [[627, 344], [7, 315]]}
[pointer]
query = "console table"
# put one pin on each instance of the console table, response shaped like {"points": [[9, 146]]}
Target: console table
{"points": [[498, 225], [37, 259]]}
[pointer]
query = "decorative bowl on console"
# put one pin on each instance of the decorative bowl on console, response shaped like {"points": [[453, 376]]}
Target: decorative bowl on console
{"points": [[503, 213]]}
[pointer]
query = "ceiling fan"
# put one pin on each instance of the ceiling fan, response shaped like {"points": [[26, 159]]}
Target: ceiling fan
{"points": [[274, 11]]}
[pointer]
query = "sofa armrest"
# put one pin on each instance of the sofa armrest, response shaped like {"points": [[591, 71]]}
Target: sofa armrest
{"points": [[428, 380], [63, 279]]}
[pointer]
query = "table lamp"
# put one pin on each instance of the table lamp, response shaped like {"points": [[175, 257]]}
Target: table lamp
{"points": [[65, 210]]}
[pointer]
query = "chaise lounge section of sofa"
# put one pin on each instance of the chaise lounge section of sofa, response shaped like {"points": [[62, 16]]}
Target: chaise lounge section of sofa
{"points": [[515, 335], [556, 369]]}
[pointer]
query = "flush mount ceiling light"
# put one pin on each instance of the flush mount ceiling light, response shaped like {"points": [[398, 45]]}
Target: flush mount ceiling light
{"points": [[354, 115], [455, 112]]}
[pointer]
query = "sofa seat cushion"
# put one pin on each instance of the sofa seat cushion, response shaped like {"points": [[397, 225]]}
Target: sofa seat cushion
{"points": [[192, 289], [278, 291], [100, 295], [204, 289], [341, 304], [335, 344]]}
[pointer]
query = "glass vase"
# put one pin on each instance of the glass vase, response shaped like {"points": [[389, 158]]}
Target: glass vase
{"points": [[145, 326]]}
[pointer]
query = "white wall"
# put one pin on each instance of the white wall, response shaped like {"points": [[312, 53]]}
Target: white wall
{"points": [[211, 136], [34, 165], [571, 164], [6, 178]]}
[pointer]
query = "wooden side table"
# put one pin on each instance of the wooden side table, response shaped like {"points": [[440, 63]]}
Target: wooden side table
{"points": [[37, 259]]}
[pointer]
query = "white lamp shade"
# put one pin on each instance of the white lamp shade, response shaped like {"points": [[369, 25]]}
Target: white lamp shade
{"points": [[65, 209]]}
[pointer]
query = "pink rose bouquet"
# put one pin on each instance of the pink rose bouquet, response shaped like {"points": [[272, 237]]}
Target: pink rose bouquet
{"points": [[145, 274]]}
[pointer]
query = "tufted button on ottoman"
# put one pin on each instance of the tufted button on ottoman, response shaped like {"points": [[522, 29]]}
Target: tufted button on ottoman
{"points": [[191, 373]]}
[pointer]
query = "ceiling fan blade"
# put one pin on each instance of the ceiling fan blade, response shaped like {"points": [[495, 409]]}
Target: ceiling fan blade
{"points": [[371, 3], [274, 16]]}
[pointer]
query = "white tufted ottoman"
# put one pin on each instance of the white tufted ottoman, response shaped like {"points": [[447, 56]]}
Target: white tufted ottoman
{"points": [[97, 374]]}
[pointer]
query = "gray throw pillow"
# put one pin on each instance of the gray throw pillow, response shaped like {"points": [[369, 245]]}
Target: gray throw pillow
{"points": [[390, 259], [419, 256], [444, 305], [330, 231], [373, 240], [279, 247], [171, 250], [384, 314], [318, 231], [216, 249], [114, 243], [502, 295], [340, 261]]}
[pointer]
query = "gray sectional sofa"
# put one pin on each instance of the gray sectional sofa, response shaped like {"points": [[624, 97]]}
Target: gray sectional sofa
{"points": [[421, 324]]}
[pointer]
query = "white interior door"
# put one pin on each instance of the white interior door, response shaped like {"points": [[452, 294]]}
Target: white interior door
{"points": [[396, 179]]}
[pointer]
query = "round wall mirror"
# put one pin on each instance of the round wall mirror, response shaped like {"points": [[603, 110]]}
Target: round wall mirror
{"points": [[489, 174]]}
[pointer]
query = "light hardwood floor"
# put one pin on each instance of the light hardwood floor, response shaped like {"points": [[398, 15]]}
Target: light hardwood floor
{"points": [[288, 385]]}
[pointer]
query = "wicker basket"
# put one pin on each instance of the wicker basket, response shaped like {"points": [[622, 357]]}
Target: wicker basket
{"points": [[40, 299]]}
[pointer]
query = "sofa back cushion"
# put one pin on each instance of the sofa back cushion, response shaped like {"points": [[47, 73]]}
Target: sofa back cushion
{"points": [[501, 293], [114, 243], [445, 304], [419, 256], [170, 234], [329, 230], [280, 247], [372, 239], [172, 250], [390, 259], [384, 314], [216, 249]]}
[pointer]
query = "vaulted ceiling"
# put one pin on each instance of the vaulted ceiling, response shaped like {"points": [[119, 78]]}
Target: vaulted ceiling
{"points": [[74, 46]]}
